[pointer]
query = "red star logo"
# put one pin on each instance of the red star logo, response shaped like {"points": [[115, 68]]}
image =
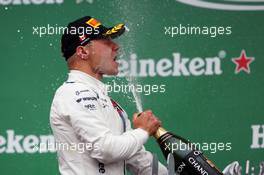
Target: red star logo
{"points": [[242, 62]]}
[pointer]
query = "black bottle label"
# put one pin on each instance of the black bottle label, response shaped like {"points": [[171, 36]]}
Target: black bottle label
{"points": [[200, 165], [188, 161]]}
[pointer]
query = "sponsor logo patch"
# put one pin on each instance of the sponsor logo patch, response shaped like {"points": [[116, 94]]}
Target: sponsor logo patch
{"points": [[93, 22]]}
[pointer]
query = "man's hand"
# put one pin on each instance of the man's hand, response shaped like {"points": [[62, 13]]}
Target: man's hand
{"points": [[147, 121]]}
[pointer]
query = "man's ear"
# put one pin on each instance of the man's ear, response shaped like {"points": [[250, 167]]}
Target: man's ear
{"points": [[82, 52]]}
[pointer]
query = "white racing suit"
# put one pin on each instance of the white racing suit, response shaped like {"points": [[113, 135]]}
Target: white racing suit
{"points": [[93, 134]]}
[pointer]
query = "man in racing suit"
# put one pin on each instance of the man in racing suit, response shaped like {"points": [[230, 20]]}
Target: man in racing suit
{"points": [[92, 132]]}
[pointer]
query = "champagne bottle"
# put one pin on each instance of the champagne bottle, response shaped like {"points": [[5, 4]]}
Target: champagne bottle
{"points": [[188, 160]]}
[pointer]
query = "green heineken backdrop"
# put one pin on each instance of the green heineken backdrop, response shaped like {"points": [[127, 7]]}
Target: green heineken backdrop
{"points": [[197, 64]]}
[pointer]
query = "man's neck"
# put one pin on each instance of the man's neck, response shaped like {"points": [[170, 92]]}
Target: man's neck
{"points": [[95, 75], [86, 68]]}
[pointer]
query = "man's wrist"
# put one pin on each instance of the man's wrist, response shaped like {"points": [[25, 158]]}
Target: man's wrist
{"points": [[142, 134]]}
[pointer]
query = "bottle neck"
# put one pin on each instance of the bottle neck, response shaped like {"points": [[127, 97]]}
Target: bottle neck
{"points": [[160, 132]]}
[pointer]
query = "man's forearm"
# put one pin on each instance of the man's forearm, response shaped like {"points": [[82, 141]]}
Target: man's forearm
{"points": [[112, 148]]}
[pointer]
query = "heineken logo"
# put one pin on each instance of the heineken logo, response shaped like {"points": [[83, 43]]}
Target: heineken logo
{"points": [[257, 137], [179, 65], [12, 143], [243, 62], [233, 5]]}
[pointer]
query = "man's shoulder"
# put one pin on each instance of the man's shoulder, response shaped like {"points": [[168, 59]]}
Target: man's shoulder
{"points": [[72, 94], [74, 89]]}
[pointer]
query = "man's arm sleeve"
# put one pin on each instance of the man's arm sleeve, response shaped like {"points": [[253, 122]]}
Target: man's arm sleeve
{"points": [[141, 162], [89, 126]]}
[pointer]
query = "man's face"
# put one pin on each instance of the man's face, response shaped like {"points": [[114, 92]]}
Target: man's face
{"points": [[102, 56]]}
